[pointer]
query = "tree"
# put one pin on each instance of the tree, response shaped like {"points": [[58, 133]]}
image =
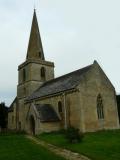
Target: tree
{"points": [[3, 116], [118, 104]]}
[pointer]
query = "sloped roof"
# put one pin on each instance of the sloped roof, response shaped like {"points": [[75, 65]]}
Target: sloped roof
{"points": [[47, 113], [60, 84]]}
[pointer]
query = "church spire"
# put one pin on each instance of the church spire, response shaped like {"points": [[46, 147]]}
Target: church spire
{"points": [[35, 49]]}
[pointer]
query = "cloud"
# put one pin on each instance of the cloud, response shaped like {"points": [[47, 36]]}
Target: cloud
{"points": [[74, 33]]}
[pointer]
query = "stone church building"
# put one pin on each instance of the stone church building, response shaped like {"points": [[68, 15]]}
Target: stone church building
{"points": [[85, 98]]}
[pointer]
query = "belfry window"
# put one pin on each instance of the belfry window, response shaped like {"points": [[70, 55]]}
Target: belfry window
{"points": [[60, 110], [100, 111], [24, 91], [42, 72], [24, 75]]}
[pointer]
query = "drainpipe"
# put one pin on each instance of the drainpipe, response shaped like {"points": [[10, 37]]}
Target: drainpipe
{"points": [[65, 111]]}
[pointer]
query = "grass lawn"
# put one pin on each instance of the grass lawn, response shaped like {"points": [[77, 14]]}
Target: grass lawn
{"points": [[104, 145], [18, 147]]}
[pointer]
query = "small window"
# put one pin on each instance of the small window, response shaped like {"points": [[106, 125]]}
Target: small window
{"points": [[100, 111], [24, 75], [42, 73], [60, 107]]}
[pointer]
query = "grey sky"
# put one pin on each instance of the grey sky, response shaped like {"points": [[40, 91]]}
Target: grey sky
{"points": [[74, 33]]}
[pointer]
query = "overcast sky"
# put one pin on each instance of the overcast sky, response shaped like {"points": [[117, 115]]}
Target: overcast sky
{"points": [[74, 33]]}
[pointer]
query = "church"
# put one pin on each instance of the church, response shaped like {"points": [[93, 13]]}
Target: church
{"points": [[84, 99]]}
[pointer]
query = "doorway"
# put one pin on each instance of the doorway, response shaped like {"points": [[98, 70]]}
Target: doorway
{"points": [[32, 125]]}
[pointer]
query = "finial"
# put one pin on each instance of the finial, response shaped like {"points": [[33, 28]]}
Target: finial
{"points": [[34, 10], [95, 61], [34, 6]]}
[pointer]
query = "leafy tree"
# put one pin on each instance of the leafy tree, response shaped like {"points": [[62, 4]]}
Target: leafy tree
{"points": [[3, 115], [118, 104]]}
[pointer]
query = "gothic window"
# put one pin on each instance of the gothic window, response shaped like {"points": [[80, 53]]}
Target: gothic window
{"points": [[42, 73], [60, 107], [24, 75], [100, 111]]}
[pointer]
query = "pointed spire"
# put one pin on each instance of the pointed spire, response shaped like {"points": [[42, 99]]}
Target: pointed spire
{"points": [[35, 49]]}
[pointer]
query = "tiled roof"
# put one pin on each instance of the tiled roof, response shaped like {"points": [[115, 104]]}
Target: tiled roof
{"points": [[60, 84], [47, 113]]}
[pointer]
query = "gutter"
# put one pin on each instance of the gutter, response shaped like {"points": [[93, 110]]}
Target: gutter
{"points": [[51, 95]]}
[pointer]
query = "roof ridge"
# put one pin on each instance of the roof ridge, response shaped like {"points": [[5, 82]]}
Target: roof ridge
{"points": [[65, 75], [59, 78]]}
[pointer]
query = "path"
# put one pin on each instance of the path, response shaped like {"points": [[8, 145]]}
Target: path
{"points": [[67, 154]]}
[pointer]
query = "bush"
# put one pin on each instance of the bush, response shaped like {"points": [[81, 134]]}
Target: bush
{"points": [[3, 116], [73, 135]]}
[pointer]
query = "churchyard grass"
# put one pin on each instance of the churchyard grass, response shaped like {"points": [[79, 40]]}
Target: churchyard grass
{"points": [[18, 147], [104, 145]]}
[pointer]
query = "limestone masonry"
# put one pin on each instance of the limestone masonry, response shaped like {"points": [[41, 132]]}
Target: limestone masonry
{"points": [[85, 98]]}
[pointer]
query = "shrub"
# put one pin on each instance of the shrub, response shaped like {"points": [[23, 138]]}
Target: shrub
{"points": [[73, 135], [3, 116]]}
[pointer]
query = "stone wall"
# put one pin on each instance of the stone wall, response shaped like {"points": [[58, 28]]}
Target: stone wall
{"points": [[70, 111], [93, 83], [79, 106]]}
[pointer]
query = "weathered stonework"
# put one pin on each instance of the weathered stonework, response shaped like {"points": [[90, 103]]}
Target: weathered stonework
{"points": [[77, 93]]}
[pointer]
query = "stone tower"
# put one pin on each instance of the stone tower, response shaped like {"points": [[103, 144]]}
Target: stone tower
{"points": [[34, 71]]}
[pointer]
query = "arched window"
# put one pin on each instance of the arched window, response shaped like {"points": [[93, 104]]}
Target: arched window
{"points": [[39, 54], [42, 72], [100, 111], [60, 110], [24, 75]]}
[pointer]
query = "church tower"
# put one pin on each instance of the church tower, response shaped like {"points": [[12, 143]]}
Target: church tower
{"points": [[34, 71]]}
